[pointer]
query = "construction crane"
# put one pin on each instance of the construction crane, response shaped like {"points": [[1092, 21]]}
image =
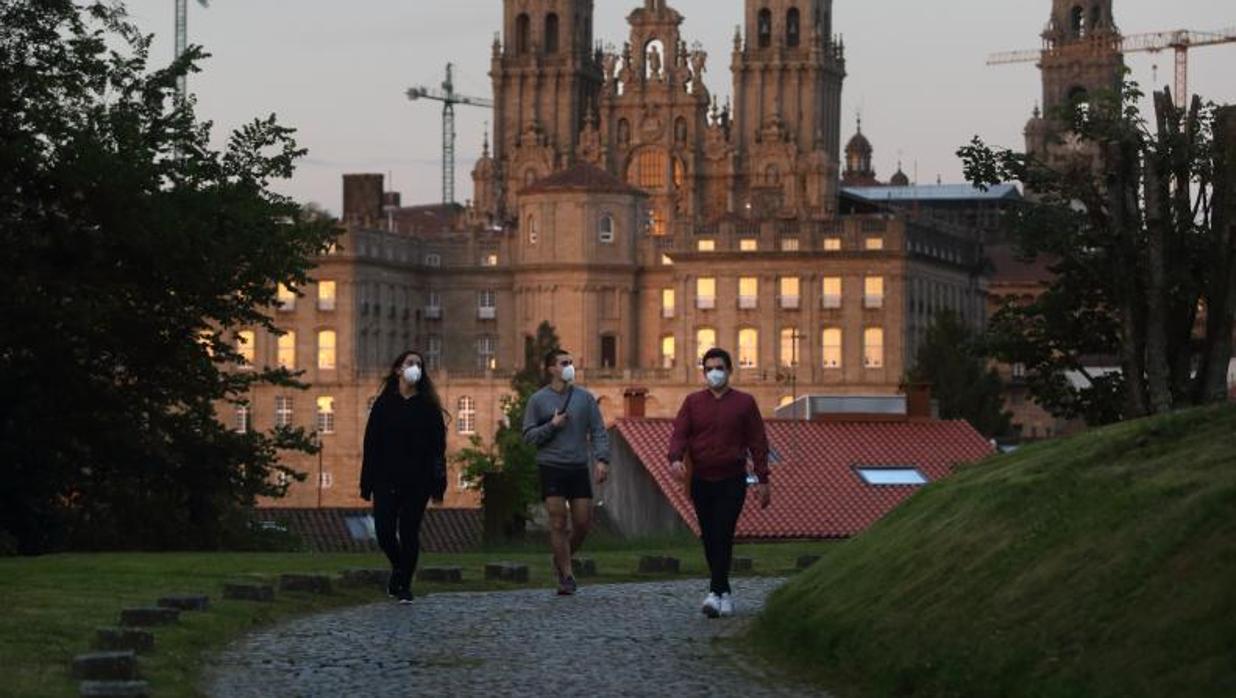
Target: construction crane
{"points": [[1180, 41], [182, 40], [449, 99]]}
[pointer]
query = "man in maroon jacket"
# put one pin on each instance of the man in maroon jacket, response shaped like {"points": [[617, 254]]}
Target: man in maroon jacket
{"points": [[717, 428]]}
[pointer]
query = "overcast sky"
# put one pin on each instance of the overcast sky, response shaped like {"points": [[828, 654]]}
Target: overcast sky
{"points": [[337, 72]]}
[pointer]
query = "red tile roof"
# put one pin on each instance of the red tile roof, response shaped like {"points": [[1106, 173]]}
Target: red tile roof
{"points": [[582, 178], [816, 491]]}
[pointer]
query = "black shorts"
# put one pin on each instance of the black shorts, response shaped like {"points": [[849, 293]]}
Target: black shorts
{"points": [[574, 482]]}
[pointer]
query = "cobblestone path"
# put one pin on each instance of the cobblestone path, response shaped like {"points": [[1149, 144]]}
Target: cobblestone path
{"points": [[610, 640]]}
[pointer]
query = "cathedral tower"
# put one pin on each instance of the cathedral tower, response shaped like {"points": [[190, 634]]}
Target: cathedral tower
{"points": [[788, 72], [545, 81]]}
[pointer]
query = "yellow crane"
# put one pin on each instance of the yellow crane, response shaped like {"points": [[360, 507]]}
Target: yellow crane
{"points": [[1179, 41]]}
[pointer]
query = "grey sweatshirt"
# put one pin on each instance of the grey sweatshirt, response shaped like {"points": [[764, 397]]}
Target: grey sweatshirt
{"points": [[567, 446]]}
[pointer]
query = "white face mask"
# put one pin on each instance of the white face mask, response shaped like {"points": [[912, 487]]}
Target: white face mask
{"points": [[568, 373], [716, 378], [412, 374]]}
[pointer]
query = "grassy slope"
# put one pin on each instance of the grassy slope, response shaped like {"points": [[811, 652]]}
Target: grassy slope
{"points": [[50, 606], [1103, 565]]}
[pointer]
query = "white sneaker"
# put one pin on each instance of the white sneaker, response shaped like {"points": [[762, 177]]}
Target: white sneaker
{"points": [[726, 606], [712, 605]]}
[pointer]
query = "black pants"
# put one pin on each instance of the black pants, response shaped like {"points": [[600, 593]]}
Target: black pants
{"points": [[717, 506], [397, 520]]}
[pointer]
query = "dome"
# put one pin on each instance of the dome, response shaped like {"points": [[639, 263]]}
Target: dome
{"points": [[899, 178]]}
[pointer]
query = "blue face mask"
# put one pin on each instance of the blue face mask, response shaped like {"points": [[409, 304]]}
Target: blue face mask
{"points": [[717, 378]]}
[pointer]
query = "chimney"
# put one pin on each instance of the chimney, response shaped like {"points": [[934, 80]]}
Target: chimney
{"points": [[633, 402], [362, 199], [918, 401]]}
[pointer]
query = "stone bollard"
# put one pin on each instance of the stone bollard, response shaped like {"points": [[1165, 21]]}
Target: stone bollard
{"points": [[249, 592], [506, 572], [308, 583], [658, 564], [124, 639], [365, 578], [742, 564], [185, 603], [148, 617], [584, 567], [105, 666], [114, 689], [450, 575], [805, 561]]}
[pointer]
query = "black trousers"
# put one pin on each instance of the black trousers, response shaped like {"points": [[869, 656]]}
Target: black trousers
{"points": [[717, 507], [397, 517]]}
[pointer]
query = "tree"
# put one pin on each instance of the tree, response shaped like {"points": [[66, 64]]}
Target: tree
{"points": [[506, 470], [1138, 247], [951, 360], [131, 249]]}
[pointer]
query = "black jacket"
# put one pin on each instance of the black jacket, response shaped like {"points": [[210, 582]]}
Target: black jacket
{"points": [[405, 446]]}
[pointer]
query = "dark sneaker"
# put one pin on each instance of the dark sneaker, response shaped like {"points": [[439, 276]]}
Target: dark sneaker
{"points": [[567, 586], [404, 596]]}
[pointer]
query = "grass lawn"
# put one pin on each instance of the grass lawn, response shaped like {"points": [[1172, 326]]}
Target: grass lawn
{"points": [[1101, 566], [52, 605]]}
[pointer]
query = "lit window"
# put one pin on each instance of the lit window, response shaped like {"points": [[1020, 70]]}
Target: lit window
{"points": [[667, 303], [487, 305], [888, 477], [873, 292], [489, 260], [326, 415], [533, 236], [706, 293], [791, 348], [605, 229], [326, 350], [283, 411], [1019, 370], [706, 245], [832, 292], [648, 170], [789, 292], [658, 227], [748, 292], [789, 244], [666, 261], [832, 244], [246, 346], [287, 351], [326, 295], [466, 415], [327, 480], [748, 348], [287, 298], [668, 351], [748, 244], [832, 347], [705, 339], [873, 244], [873, 347], [244, 419]]}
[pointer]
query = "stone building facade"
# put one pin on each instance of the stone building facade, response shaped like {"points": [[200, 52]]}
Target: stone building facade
{"points": [[642, 219]]}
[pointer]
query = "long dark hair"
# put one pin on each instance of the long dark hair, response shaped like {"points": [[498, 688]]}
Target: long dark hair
{"points": [[424, 386]]}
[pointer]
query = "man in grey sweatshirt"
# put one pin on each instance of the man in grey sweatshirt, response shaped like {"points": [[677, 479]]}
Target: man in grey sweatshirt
{"points": [[564, 423]]}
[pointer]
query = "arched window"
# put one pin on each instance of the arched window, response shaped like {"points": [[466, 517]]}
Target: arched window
{"points": [[1077, 95], [748, 348], [764, 28], [624, 132], [551, 33], [705, 339], [792, 27], [680, 130], [467, 415], [648, 170], [605, 228], [1077, 21], [523, 31]]}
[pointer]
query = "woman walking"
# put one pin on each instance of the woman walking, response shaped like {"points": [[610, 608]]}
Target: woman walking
{"points": [[404, 465]]}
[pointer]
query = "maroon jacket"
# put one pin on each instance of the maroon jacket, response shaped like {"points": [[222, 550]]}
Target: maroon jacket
{"points": [[718, 433]]}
